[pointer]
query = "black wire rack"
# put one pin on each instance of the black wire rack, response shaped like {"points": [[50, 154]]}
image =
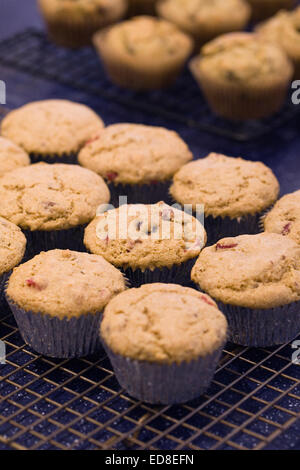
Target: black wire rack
{"points": [[31, 52], [252, 403]]}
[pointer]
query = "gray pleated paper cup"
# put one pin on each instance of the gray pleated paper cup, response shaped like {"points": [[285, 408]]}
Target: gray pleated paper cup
{"points": [[165, 384], [224, 227], [262, 327], [55, 337], [68, 158], [42, 240], [140, 194], [3, 282], [176, 274]]}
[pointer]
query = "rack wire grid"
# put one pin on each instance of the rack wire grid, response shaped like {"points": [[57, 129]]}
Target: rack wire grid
{"points": [[30, 51], [252, 403]]}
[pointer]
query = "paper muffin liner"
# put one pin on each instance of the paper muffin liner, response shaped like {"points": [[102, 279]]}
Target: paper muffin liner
{"points": [[223, 227], [42, 240], [262, 9], [165, 384], [262, 327], [55, 337], [131, 76], [176, 274], [3, 281], [140, 194], [236, 103], [141, 7], [70, 158]]}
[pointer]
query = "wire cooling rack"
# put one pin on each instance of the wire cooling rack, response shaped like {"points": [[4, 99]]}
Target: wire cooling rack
{"points": [[253, 401], [30, 51]]}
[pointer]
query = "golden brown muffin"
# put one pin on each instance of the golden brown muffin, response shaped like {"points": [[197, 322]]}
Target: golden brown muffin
{"points": [[284, 29], [72, 23], [53, 130], [242, 77], [143, 53], [161, 337], [205, 19], [284, 218], [11, 156]]}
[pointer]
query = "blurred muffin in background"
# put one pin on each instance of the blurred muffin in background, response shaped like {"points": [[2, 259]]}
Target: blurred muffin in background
{"points": [[242, 76], [11, 156], [143, 53], [205, 19], [73, 23], [284, 29], [262, 9], [141, 7]]}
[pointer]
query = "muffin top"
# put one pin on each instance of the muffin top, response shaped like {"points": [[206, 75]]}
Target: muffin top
{"points": [[11, 156], [163, 323], [12, 245], [226, 186], [284, 218], [64, 283], [145, 236], [216, 15], [51, 197], [243, 60], [51, 127], [145, 42], [284, 28], [110, 10], [256, 271], [133, 154]]}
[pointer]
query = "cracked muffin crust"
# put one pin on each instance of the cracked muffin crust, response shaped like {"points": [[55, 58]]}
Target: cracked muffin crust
{"points": [[255, 271], [64, 284], [242, 76], [284, 218], [226, 186], [135, 154], [145, 236], [144, 52], [72, 23], [284, 29], [51, 197], [51, 127], [12, 245], [205, 19], [11, 156], [163, 323]]}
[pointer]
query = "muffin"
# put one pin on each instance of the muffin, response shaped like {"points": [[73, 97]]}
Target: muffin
{"points": [[235, 192], [72, 23], [143, 53], [51, 130], [150, 243], [204, 20], [284, 29], [11, 156], [242, 77], [141, 7], [137, 161], [256, 281], [262, 9], [12, 249], [51, 203], [58, 298], [164, 341], [284, 218]]}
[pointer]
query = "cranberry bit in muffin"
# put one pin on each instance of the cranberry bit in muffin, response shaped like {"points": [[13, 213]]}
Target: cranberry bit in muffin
{"points": [[111, 176], [286, 229], [220, 246], [35, 284]]}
